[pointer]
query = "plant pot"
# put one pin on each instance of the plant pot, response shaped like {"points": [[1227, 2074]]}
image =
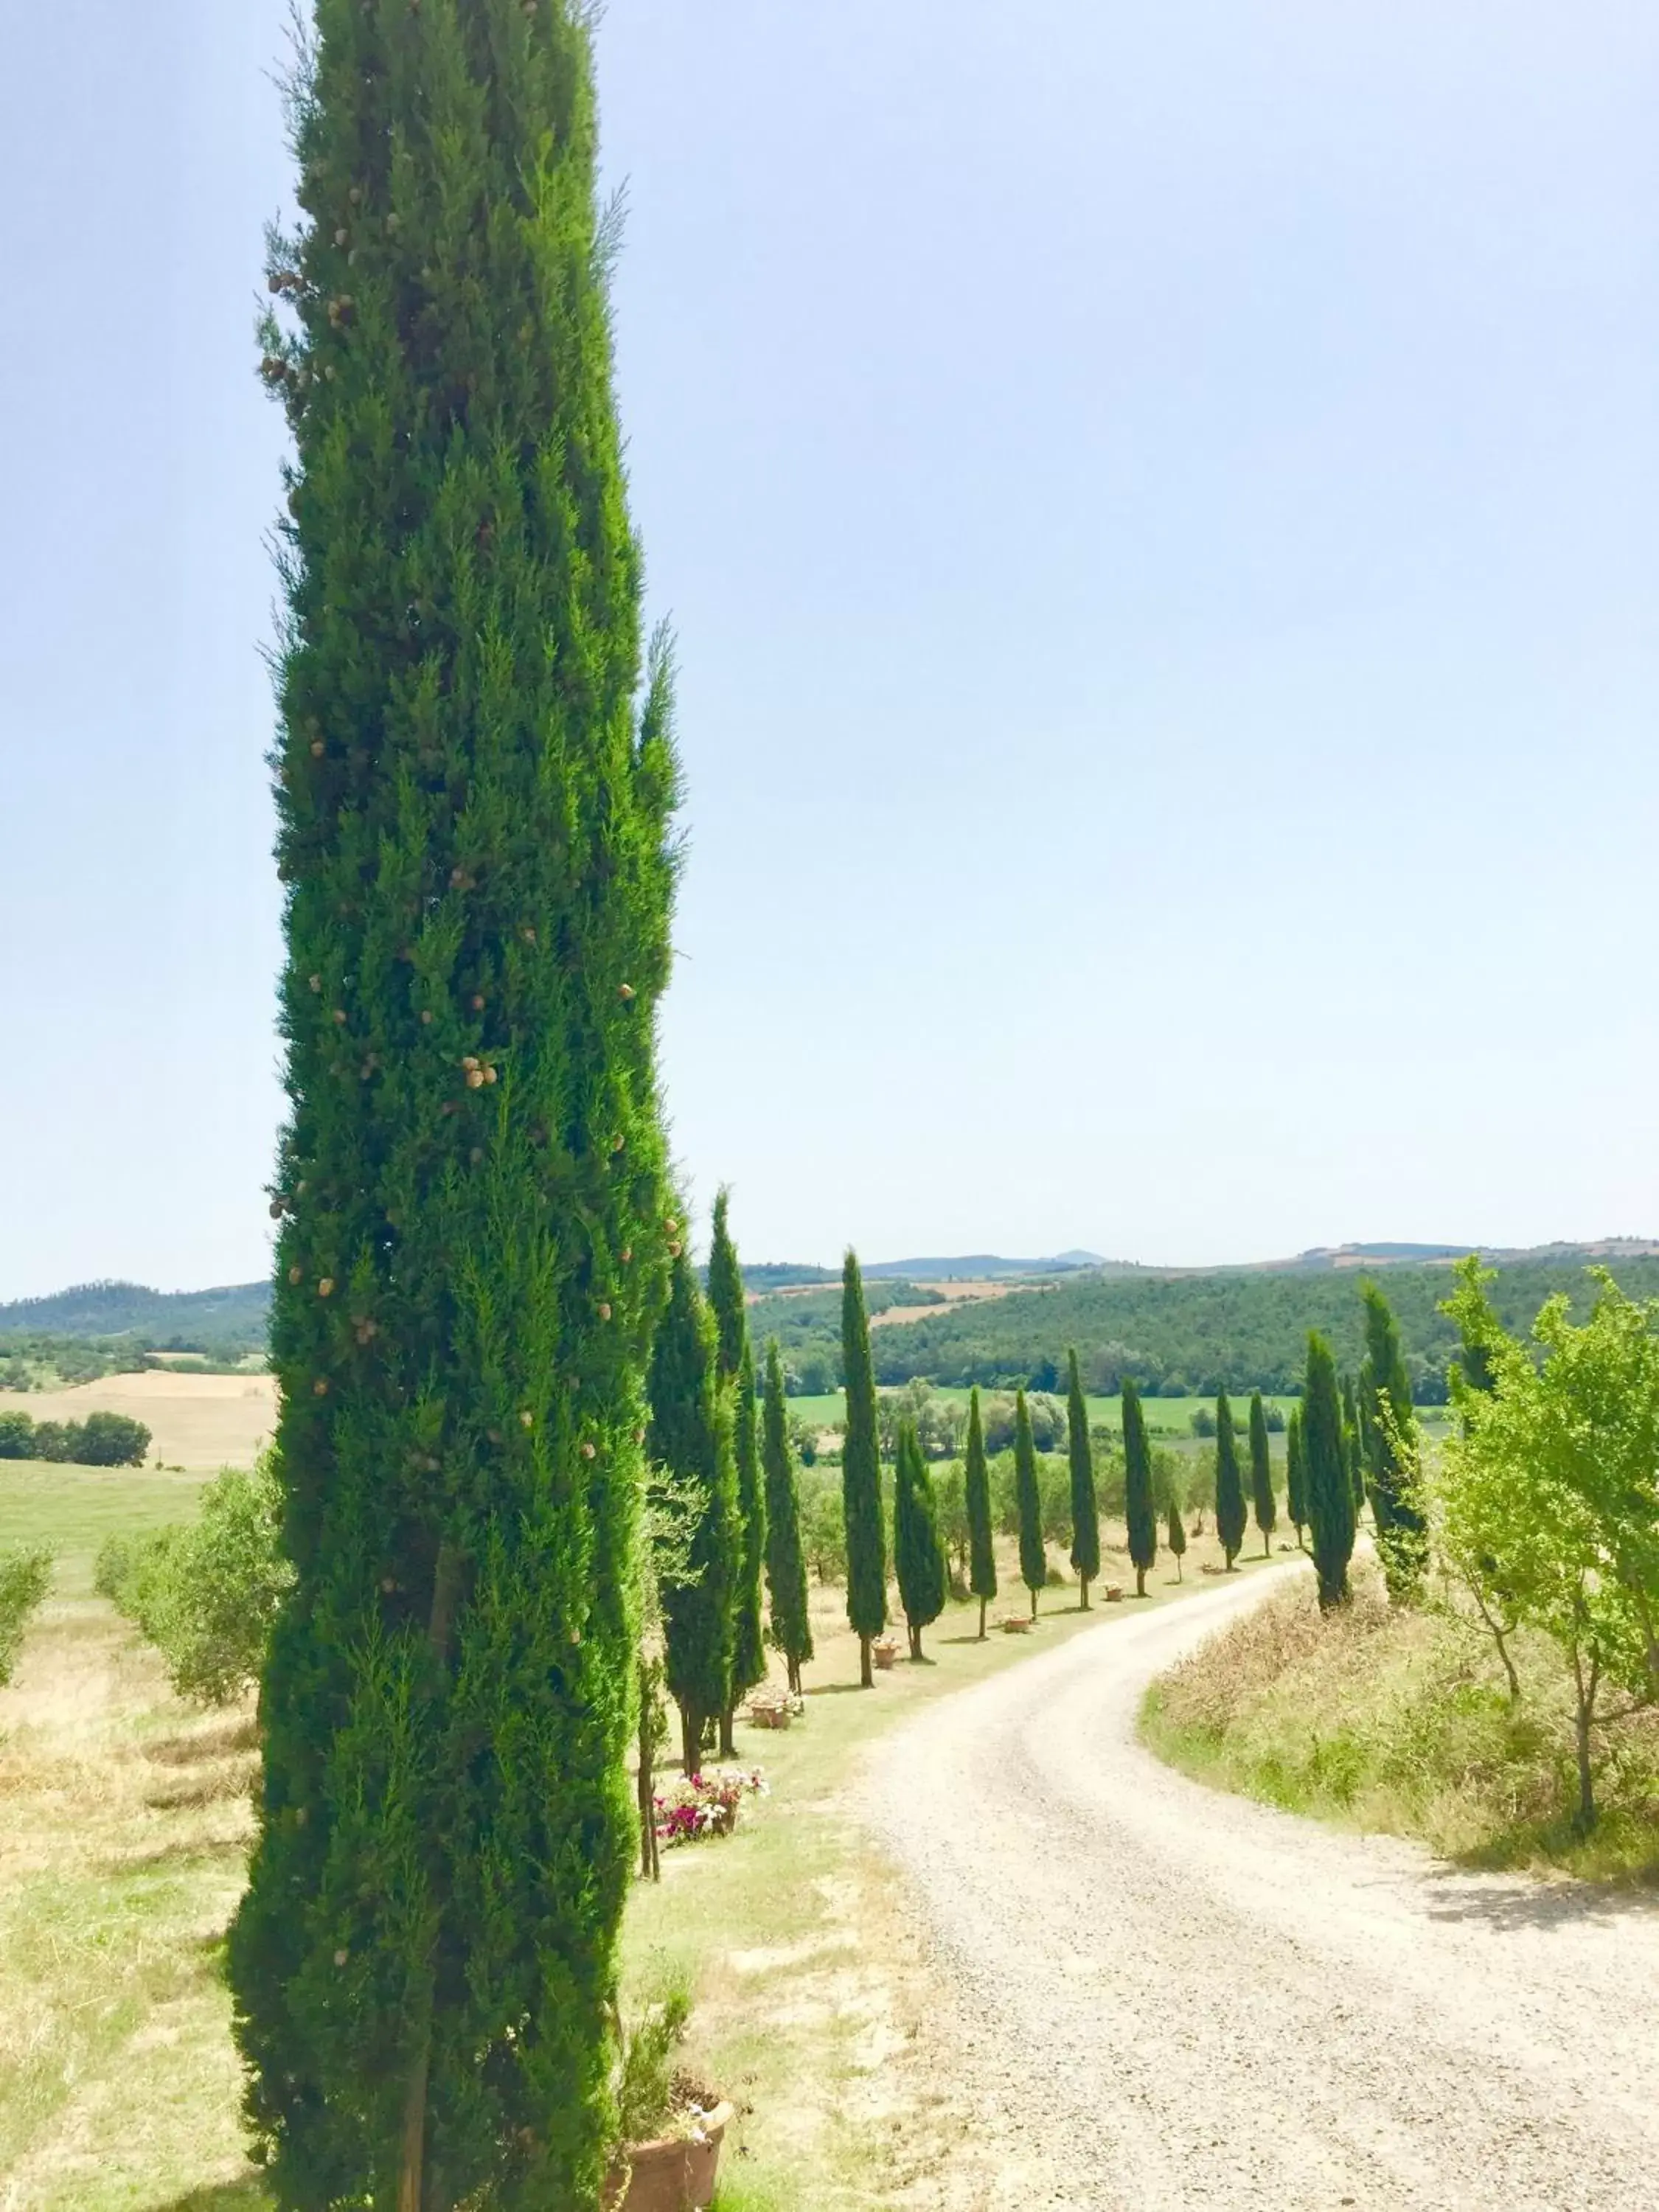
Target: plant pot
{"points": [[1016, 1624], [673, 2174], [883, 1654], [1114, 1593]]}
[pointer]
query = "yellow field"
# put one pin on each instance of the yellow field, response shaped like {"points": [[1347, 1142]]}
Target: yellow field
{"points": [[198, 1422]]}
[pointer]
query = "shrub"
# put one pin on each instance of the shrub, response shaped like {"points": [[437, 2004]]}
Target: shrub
{"points": [[25, 1578], [16, 1436], [101, 1440], [645, 2064]]}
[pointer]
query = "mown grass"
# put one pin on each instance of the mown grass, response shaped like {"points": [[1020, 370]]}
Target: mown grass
{"points": [[1400, 1721], [71, 1510]]}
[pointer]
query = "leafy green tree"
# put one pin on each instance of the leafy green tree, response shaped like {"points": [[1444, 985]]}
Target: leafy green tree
{"points": [[474, 837], [918, 1554], [1261, 1473], [1086, 1503], [1229, 1487], [1328, 1486], [983, 1572], [1033, 1555], [1388, 1428], [690, 1437], [1296, 1504], [25, 1578], [1139, 1510], [1177, 1535], [785, 1557], [861, 1476]]}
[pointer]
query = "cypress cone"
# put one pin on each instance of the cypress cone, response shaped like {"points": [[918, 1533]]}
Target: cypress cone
{"points": [[1033, 1554], [861, 1476], [1139, 1509], [1327, 1484], [918, 1554], [785, 1557], [1296, 1496], [1261, 1473], [981, 1547], [473, 833], [690, 1434], [1086, 1503], [1229, 1489]]}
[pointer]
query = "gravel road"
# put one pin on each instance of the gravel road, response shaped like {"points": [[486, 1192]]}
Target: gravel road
{"points": [[1174, 1997]]}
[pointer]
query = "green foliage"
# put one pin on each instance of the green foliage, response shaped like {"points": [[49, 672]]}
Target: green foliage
{"points": [[1229, 1488], [1033, 1556], [785, 1558], [208, 1595], [860, 1471], [474, 836], [1261, 1471], [25, 1578], [1176, 1531], [1085, 1504], [1296, 1493], [982, 1569], [1140, 1511], [918, 1554], [726, 1292], [1327, 1488], [1388, 1431], [101, 1440], [748, 1636], [645, 2068], [690, 1435]]}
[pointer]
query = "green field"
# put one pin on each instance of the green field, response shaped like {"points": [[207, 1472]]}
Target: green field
{"points": [[71, 1510]]}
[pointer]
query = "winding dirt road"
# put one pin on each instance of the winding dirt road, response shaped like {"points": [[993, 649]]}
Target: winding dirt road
{"points": [[1176, 1998]]}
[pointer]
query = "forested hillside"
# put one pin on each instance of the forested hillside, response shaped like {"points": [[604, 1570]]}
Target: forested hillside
{"points": [[1174, 1334], [223, 1323]]}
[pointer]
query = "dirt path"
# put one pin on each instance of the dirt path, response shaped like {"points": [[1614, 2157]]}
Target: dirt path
{"points": [[1170, 1997]]}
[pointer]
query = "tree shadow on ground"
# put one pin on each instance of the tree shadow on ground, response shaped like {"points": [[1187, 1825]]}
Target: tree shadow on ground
{"points": [[1504, 1902], [246, 2195]]}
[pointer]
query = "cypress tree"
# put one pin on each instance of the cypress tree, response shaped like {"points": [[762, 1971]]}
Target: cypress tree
{"points": [[1229, 1487], [1329, 1489], [1178, 1536], [1086, 1503], [861, 1476], [1033, 1555], [1387, 1422], [1261, 1473], [690, 1434], [1139, 1510], [1352, 1451], [918, 1554], [1295, 1497], [737, 1368], [981, 1548], [726, 1296], [473, 820], [785, 1557]]}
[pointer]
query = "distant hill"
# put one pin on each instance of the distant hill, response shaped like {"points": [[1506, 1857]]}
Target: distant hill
{"points": [[980, 1267], [230, 1320]]}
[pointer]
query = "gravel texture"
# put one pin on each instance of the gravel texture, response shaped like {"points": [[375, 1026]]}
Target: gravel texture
{"points": [[1170, 1997]]}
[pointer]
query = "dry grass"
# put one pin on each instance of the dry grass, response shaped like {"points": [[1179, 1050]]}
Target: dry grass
{"points": [[199, 1422], [1398, 1722]]}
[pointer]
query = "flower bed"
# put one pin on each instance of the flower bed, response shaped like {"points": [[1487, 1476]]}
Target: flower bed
{"points": [[707, 1805]]}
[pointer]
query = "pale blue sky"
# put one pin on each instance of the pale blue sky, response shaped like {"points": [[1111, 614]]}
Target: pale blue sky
{"points": [[1161, 512]]}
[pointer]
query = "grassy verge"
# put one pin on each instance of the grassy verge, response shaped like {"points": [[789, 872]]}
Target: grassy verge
{"points": [[1398, 1722], [124, 1825]]}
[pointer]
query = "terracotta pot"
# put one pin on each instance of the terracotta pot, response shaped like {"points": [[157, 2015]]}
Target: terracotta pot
{"points": [[883, 1654], [673, 2174]]}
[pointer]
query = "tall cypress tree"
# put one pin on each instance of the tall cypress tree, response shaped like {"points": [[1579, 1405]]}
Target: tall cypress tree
{"points": [[861, 1476], [473, 835], [1229, 1488], [737, 1368], [1296, 1494], [1177, 1535], [1033, 1555], [785, 1557], [1387, 1422], [981, 1547], [1086, 1503], [1261, 1473], [918, 1554], [1139, 1509], [1352, 1452], [1325, 1474], [690, 1434]]}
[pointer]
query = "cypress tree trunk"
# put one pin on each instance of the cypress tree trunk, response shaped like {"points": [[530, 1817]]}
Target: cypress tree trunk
{"points": [[1325, 1472], [1229, 1489], [861, 1476], [1261, 1473], [918, 1554], [982, 1570], [1033, 1553], [1086, 1503], [786, 1559], [1139, 1507], [475, 1222]]}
